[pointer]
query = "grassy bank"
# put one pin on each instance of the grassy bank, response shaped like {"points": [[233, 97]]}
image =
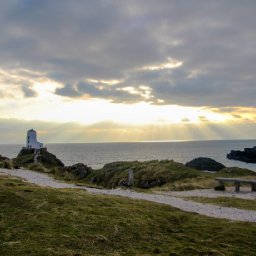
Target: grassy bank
{"points": [[40, 221], [161, 175], [157, 175]]}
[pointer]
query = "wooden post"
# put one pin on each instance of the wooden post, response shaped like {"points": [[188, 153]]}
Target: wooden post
{"points": [[237, 186], [130, 178]]}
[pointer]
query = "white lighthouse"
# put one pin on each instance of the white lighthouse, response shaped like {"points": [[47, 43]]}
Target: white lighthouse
{"points": [[32, 140]]}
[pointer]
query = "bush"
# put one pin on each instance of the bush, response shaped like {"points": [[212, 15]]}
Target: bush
{"points": [[6, 164], [39, 168]]}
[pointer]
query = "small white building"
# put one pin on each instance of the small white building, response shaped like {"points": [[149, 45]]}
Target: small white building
{"points": [[32, 140]]}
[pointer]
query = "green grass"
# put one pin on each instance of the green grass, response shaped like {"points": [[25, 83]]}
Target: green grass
{"points": [[24, 160], [166, 171], [170, 174], [173, 175], [7, 164], [42, 221], [228, 202]]}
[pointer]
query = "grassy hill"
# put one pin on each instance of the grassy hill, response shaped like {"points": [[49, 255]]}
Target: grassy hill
{"points": [[163, 175], [41, 221]]}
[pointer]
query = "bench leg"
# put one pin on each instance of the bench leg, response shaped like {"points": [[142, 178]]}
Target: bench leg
{"points": [[237, 186], [253, 187], [220, 187]]}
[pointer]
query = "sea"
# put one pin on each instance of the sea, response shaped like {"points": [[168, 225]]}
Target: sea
{"points": [[96, 155]]}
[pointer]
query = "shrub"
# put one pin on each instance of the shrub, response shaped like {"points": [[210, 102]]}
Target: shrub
{"points": [[39, 168]]}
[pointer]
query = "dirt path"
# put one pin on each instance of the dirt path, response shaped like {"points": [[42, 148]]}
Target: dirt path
{"points": [[245, 193], [168, 199]]}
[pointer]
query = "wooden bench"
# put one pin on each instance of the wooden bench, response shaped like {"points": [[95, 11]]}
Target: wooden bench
{"points": [[237, 182]]}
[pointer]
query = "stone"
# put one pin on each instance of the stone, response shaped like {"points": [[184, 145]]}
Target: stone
{"points": [[79, 170], [2, 158], [130, 177], [247, 156], [151, 183], [123, 183], [205, 164], [5, 162]]}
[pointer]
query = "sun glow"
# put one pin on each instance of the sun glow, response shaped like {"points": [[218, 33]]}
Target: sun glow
{"points": [[45, 105], [46, 88], [92, 120], [108, 82], [170, 64], [54, 108]]}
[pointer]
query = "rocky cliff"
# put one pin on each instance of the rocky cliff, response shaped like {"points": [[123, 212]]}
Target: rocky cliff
{"points": [[205, 164], [27, 156], [248, 155]]}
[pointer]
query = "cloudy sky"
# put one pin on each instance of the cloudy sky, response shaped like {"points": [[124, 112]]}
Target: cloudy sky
{"points": [[127, 70]]}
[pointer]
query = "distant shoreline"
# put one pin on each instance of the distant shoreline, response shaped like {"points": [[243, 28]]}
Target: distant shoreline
{"points": [[98, 154], [131, 142]]}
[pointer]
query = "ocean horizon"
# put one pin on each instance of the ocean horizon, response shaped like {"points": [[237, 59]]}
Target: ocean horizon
{"points": [[96, 155]]}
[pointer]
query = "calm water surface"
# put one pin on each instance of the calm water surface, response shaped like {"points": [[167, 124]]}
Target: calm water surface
{"points": [[98, 154]]}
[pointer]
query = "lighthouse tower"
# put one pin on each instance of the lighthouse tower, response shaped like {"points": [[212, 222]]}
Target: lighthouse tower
{"points": [[32, 140]]}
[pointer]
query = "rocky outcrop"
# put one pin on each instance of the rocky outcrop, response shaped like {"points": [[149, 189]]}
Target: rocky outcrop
{"points": [[3, 158], [5, 162], [143, 183], [27, 156], [248, 155], [151, 183], [205, 164], [79, 170]]}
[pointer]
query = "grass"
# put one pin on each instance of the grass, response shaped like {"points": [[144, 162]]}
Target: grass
{"points": [[159, 175], [173, 175], [165, 171], [42, 221], [227, 201], [7, 164]]}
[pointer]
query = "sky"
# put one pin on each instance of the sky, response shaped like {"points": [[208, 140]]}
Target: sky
{"points": [[129, 70]]}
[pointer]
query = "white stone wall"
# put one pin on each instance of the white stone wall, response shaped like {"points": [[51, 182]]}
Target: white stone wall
{"points": [[32, 140]]}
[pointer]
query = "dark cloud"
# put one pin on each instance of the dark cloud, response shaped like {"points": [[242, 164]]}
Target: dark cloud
{"points": [[73, 41], [28, 92], [115, 93], [68, 90]]}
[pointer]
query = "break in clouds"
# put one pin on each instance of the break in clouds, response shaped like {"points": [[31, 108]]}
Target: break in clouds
{"points": [[193, 53]]}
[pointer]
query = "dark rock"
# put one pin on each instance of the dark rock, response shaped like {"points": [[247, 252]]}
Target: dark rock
{"points": [[26, 151], [26, 156], [78, 170], [123, 183], [94, 180], [248, 155], [49, 159], [6, 164], [2, 158], [28, 190], [151, 183], [205, 164]]}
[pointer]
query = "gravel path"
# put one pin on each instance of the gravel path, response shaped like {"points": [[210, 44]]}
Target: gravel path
{"points": [[168, 199], [210, 193]]}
